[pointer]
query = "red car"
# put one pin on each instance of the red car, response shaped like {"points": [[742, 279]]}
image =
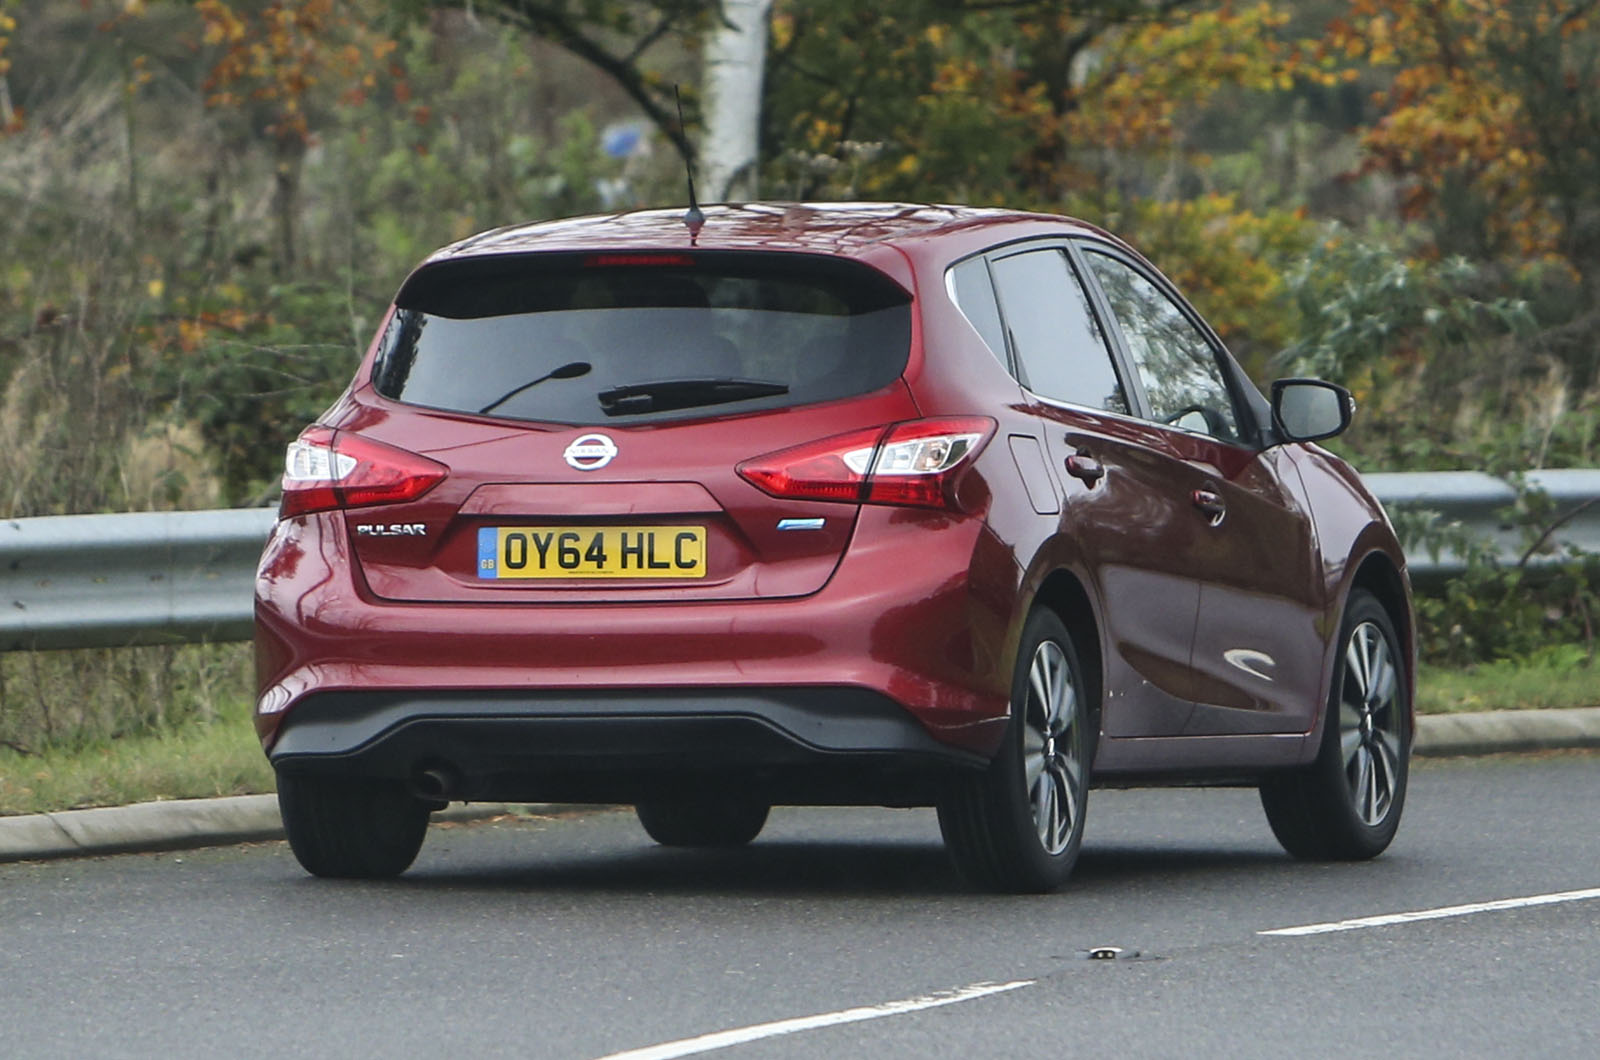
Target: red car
{"points": [[823, 504]]}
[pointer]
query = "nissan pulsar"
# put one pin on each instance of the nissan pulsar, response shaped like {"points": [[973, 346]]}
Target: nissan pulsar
{"points": [[833, 504]]}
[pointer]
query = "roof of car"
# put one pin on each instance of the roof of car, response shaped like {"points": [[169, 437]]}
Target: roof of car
{"points": [[841, 228]]}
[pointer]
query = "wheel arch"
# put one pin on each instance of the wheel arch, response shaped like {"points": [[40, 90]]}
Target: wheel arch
{"points": [[1379, 575], [1064, 595]]}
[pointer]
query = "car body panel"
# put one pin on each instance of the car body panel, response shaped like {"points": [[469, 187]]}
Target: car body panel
{"points": [[1135, 529]]}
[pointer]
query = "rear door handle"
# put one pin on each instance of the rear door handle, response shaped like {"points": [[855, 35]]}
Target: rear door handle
{"points": [[1085, 468], [1211, 504]]}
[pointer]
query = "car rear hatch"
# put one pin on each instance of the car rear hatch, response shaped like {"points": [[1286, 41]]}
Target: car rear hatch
{"points": [[575, 424]]}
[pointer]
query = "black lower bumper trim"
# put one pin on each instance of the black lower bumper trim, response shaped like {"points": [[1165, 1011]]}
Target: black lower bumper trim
{"points": [[786, 745]]}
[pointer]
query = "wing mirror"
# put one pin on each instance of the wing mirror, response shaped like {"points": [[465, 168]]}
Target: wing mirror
{"points": [[1307, 410]]}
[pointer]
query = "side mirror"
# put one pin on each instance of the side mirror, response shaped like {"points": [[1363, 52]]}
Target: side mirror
{"points": [[1306, 410]]}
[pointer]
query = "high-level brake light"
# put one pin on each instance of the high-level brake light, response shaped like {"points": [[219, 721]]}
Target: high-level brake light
{"points": [[914, 463], [326, 469]]}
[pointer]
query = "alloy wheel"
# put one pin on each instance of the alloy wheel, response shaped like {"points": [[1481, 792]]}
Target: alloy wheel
{"points": [[1053, 747], [1369, 723]]}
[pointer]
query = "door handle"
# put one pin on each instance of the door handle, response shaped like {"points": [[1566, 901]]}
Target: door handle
{"points": [[1085, 468], [1211, 504]]}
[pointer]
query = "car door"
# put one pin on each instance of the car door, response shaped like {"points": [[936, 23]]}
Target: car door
{"points": [[1116, 509], [1246, 537]]}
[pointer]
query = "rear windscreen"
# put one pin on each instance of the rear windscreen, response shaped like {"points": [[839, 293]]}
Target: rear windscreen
{"points": [[603, 338]]}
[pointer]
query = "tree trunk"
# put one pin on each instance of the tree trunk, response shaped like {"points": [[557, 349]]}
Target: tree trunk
{"points": [[291, 154], [736, 56]]}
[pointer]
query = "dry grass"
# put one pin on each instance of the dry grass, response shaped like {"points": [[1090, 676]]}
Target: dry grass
{"points": [[67, 700], [196, 760]]}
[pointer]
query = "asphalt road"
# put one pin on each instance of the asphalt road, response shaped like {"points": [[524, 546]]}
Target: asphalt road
{"points": [[574, 937]]}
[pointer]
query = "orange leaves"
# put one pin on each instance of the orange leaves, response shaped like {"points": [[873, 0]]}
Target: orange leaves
{"points": [[280, 53], [1458, 118], [8, 26], [11, 117], [222, 26], [1145, 73]]}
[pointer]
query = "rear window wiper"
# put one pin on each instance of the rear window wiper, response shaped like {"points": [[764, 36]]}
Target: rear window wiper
{"points": [[566, 371], [665, 395]]}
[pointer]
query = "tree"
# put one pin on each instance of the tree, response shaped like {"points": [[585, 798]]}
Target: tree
{"points": [[1491, 128], [279, 67], [735, 62], [1491, 122], [1017, 102], [616, 37]]}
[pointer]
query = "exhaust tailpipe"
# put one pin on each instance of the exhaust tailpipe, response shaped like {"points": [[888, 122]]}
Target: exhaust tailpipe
{"points": [[435, 783]]}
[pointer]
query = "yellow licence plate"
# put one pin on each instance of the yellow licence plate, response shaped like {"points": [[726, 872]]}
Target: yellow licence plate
{"points": [[591, 552]]}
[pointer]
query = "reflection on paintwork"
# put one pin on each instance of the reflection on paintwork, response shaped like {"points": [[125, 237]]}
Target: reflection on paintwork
{"points": [[1233, 699], [1251, 662]]}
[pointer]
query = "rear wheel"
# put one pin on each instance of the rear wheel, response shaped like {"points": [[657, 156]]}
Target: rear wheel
{"points": [[357, 829], [702, 822], [1018, 827], [1345, 805]]}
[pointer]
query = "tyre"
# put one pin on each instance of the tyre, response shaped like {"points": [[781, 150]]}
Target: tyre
{"points": [[702, 822], [1345, 805], [1017, 827], [357, 829]]}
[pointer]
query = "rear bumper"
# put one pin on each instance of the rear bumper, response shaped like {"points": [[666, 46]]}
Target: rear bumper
{"points": [[805, 745], [910, 637]]}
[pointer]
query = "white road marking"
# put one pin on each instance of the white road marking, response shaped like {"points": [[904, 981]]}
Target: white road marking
{"points": [[705, 1043], [1437, 914]]}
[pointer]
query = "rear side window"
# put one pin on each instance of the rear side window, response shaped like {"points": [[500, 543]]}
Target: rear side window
{"points": [[603, 338], [974, 295]]}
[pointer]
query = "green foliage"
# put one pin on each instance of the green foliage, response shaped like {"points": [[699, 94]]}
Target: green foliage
{"points": [[1546, 600], [251, 390], [1362, 303], [1556, 676], [155, 318], [1454, 364], [1495, 612]]}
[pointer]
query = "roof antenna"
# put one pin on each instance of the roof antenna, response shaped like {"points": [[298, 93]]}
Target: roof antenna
{"points": [[694, 218]]}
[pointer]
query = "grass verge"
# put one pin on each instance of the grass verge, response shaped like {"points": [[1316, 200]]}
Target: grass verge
{"points": [[1560, 676], [197, 759]]}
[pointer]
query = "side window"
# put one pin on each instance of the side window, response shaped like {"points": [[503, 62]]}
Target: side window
{"points": [[1176, 363], [1060, 349], [974, 296]]}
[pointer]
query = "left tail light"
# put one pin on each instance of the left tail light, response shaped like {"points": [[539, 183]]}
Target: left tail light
{"points": [[326, 469], [915, 463]]}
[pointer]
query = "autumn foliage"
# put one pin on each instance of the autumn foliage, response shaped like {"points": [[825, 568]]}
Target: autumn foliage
{"points": [[211, 205], [1490, 119]]}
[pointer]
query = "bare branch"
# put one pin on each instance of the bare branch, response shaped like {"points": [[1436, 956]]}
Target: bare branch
{"points": [[558, 24], [1553, 527]]}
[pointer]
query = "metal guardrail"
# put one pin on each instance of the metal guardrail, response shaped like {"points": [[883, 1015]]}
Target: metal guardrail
{"points": [[84, 581], [90, 581], [1476, 500]]}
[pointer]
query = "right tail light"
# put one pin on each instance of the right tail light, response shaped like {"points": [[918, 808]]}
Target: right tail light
{"points": [[915, 463]]}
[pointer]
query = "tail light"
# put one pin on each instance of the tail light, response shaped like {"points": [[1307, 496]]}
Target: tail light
{"points": [[326, 469], [914, 463]]}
